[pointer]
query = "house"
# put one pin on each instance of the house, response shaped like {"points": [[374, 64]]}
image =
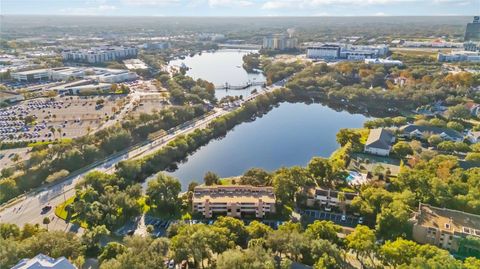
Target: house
{"points": [[446, 228], [42, 261], [234, 201], [328, 197], [473, 137], [379, 142], [423, 132]]}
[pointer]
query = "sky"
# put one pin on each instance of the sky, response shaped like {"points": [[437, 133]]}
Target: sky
{"points": [[242, 7]]}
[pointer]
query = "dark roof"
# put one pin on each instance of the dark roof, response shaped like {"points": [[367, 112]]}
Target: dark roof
{"points": [[431, 129], [379, 138]]}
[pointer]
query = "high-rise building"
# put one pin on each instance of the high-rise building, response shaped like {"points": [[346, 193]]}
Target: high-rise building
{"points": [[472, 33], [279, 42]]}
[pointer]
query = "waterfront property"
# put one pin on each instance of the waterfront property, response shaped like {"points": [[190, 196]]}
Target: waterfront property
{"points": [[42, 261], [100, 54], [234, 201], [446, 228], [422, 132], [329, 198], [346, 52], [379, 142]]}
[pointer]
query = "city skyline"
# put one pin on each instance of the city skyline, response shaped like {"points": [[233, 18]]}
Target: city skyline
{"points": [[242, 7]]}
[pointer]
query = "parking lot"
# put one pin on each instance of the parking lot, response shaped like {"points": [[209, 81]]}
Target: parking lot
{"points": [[350, 221], [47, 119]]}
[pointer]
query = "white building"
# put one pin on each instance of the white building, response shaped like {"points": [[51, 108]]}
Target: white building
{"points": [[108, 75], [347, 52], [65, 73], [44, 262], [31, 75], [78, 87], [379, 142], [324, 52], [99, 55], [328, 198], [385, 62], [459, 56], [10, 97]]}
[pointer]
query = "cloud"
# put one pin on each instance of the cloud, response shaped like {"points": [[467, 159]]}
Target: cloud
{"points": [[151, 2], [305, 4], [229, 3], [97, 10]]}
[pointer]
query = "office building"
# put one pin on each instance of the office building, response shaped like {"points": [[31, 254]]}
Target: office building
{"points": [[346, 52], [156, 45], [234, 201], [279, 42], [66, 73], [42, 261], [31, 75], [445, 228], [107, 75], [99, 55], [459, 56], [82, 86], [472, 33]]}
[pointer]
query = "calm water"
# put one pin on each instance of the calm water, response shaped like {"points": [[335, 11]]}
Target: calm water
{"points": [[220, 67], [290, 134]]}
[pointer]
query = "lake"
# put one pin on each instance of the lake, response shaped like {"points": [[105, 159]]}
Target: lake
{"points": [[220, 67], [288, 135]]}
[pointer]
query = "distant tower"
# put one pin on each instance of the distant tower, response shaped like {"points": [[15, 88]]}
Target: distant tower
{"points": [[473, 30]]}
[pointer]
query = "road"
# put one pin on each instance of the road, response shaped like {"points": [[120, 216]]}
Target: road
{"points": [[29, 209]]}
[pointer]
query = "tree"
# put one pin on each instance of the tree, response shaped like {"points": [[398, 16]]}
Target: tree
{"points": [[326, 255], [8, 230], [458, 112], [323, 229], [112, 250], [237, 231], [54, 244], [91, 238], [163, 192], [257, 230], [434, 140], [456, 126], [287, 182], [256, 177], [321, 170], [402, 149], [362, 242], [347, 135], [46, 221], [255, 257], [400, 251], [211, 178]]}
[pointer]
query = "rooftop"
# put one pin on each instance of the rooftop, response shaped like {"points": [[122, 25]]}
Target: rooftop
{"points": [[233, 194], [42, 261], [449, 220], [379, 138]]}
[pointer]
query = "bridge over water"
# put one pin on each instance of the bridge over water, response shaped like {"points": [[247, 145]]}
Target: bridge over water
{"points": [[228, 86]]}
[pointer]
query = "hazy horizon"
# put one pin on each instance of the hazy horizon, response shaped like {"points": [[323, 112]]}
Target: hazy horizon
{"points": [[242, 7]]}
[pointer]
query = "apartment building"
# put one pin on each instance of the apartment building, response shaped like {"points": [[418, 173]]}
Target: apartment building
{"points": [[234, 201], [279, 42], [100, 54], [445, 228], [328, 198]]}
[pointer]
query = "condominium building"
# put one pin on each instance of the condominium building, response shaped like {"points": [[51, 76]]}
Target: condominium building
{"points": [[279, 42], [328, 198], [99, 55], [445, 228], [234, 201]]}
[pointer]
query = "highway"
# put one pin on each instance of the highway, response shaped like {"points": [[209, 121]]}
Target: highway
{"points": [[29, 208]]}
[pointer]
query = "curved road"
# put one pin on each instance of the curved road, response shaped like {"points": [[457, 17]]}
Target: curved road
{"points": [[29, 209]]}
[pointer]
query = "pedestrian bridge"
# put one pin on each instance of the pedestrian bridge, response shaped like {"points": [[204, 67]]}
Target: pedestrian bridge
{"points": [[227, 86]]}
